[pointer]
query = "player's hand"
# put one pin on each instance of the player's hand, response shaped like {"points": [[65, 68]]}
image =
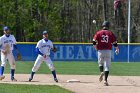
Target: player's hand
{"points": [[54, 49], [117, 51]]}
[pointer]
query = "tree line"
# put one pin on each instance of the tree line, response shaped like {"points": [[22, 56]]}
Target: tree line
{"points": [[67, 20]]}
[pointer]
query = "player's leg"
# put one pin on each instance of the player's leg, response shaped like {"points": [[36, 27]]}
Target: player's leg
{"points": [[51, 67], [36, 66], [12, 63], [3, 64], [107, 66], [101, 64]]}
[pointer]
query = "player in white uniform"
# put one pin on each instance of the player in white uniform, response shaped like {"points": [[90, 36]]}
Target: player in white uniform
{"points": [[7, 44], [43, 48]]}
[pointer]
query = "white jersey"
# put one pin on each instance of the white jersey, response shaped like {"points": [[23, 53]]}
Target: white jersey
{"points": [[7, 41], [44, 47]]}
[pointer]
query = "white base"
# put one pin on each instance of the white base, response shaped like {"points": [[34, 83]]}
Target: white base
{"points": [[73, 80]]}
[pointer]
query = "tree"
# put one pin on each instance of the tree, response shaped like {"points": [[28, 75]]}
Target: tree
{"points": [[67, 20]]}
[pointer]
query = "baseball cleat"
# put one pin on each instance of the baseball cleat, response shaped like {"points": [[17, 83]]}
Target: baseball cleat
{"points": [[101, 76], [106, 83], [2, 77], [30, 79], [13, 79], [55, 79]]}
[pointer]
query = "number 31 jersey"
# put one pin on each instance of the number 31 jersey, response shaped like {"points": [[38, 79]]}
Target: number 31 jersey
{"points": [[104, 39]]}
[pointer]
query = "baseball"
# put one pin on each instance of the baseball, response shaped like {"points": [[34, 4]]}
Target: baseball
{"points": [[94, 21]]}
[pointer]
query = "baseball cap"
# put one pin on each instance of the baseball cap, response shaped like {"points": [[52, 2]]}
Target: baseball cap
{"points": [[45, 32], [106, 24], [6, 28]]}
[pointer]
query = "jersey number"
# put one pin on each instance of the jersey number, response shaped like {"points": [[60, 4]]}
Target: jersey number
{"points": [[105, 38]]}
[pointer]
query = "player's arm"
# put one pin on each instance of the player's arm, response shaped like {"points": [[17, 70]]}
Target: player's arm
{"points": [[53, 48], [2, 50], [38, 52], [115, 44], [0, 44], [19, 57], [116, 47], [15, 46], [95, 44], [95, 41]]}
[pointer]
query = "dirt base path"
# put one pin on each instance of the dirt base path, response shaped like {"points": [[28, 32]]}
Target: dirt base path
{"points": [[87, 84]]}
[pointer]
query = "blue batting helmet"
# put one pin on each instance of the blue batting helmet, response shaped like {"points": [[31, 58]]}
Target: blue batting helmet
{"points": [[45, 32], [5, 28]]}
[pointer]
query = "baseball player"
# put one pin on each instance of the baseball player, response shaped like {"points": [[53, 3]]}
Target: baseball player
{"points": [[102, 41], [7, 44], [43, 48]]}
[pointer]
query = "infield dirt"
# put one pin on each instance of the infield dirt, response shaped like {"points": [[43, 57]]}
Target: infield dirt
{"points": [[87, 84]]}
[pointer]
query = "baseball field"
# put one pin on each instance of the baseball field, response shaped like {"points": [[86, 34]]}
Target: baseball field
{"points": [[124, 78]]}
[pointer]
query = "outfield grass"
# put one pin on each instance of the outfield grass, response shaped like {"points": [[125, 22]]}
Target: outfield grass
{"points": [[80, 68], [20, 88]]}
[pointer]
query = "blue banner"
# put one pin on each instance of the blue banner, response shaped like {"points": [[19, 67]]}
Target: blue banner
{"points": [[80, 52]]}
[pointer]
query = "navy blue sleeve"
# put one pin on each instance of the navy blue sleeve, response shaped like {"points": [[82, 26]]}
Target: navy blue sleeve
{"points": [[15, 46], [38, 52]]}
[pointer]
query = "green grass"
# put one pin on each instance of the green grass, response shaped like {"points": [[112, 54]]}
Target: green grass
{"points": [[80, 68], [20, 88], [77, 68]]}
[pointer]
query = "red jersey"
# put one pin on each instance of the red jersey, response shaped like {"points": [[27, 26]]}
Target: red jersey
{"points": [[104, 39]]}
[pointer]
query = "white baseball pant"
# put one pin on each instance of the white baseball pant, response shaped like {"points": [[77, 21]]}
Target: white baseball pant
{"points": [[8, 57], [104, 59], [41, 59]]}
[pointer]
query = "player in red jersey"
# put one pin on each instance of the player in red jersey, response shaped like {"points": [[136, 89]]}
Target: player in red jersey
{"points": [[102, 41]]}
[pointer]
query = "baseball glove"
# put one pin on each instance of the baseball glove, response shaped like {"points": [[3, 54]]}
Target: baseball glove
{"points": [[7, 49], [19, 56], [54, 49]]}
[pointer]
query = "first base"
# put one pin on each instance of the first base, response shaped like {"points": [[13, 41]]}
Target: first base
{"points": [[73, 80]]}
